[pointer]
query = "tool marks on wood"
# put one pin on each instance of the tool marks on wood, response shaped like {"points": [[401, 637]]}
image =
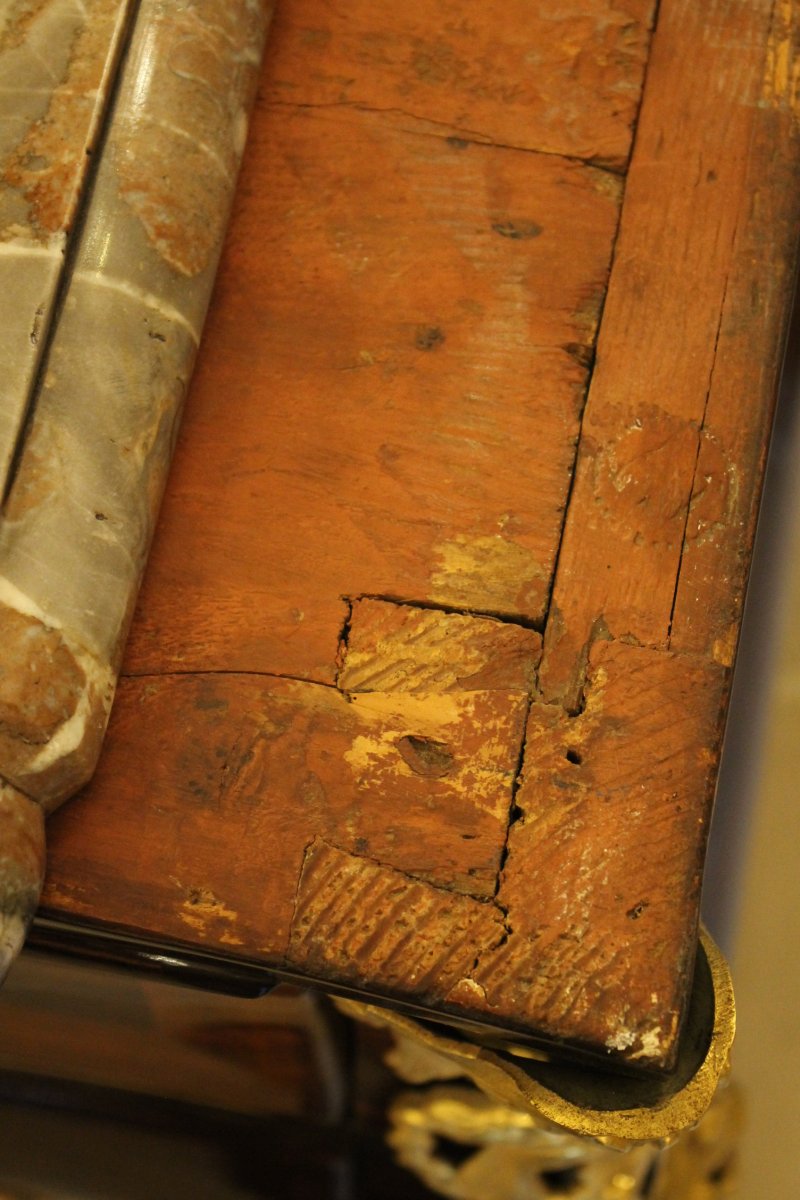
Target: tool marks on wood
{"points": [[402, 647], [602, 878], [366, 925], [382, 839]]}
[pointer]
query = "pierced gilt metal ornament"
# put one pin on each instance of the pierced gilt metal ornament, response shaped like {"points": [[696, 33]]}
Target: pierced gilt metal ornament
{"points": [[507, 1123]]}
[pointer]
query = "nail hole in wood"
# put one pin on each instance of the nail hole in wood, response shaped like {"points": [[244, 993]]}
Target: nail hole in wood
{"points": [[425, 756]]}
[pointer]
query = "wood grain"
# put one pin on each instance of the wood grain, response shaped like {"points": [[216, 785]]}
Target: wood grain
{"points": [[560, 78], [422, 783], [691, 222], [604, 867], [363, 924], [401, 647], [388, 395], [743, 386], [334, 675]]}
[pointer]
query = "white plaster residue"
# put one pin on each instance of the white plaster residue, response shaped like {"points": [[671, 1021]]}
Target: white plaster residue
{"points": [[100, 683], [651, 1044], [621, 1040]]}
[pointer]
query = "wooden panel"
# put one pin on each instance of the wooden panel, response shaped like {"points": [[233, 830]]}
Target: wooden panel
{"points": [[563, 78], [742, 388], [691, 222], [422, 783], [399, 647], [380, 444], [605, 857], [388, 394]]}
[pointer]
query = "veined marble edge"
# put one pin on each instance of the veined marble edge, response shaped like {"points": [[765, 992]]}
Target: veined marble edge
{"points": [[57, 763], [54, 247]]}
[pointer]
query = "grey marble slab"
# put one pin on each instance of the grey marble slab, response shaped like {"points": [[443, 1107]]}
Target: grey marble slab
{"points": [[58, 60], [79, 516]]}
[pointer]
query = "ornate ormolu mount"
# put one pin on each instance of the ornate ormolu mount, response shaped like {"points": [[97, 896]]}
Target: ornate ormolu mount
{"points": [[488, 1124]]}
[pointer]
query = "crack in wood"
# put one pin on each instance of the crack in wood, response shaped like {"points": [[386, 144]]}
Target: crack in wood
{"points": [[455, 136]]}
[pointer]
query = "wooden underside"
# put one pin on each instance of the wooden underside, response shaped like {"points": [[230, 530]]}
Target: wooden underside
{"points": [[425, 691]]}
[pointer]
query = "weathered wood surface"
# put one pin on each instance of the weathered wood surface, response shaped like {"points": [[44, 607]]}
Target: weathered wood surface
{"points": [[380, 441], [407, 418], [662, 511]]}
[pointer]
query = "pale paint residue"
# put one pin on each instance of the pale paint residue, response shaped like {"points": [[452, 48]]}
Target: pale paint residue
{"points": [[443, 717], [201, 906], [724, 647], [649, 1042], [430, 716], [781, 86], [368, 754], [429, 713], [594, 702], [464, 990], [230, 939], [623, 1039], [485, 572]]}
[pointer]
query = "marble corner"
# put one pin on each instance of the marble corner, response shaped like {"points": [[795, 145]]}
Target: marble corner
{"points": [[90, 409]]}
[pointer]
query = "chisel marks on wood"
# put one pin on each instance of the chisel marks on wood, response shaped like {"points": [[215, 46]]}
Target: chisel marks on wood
{"points": [[602, 878], [367, 925], [404, 648]]}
